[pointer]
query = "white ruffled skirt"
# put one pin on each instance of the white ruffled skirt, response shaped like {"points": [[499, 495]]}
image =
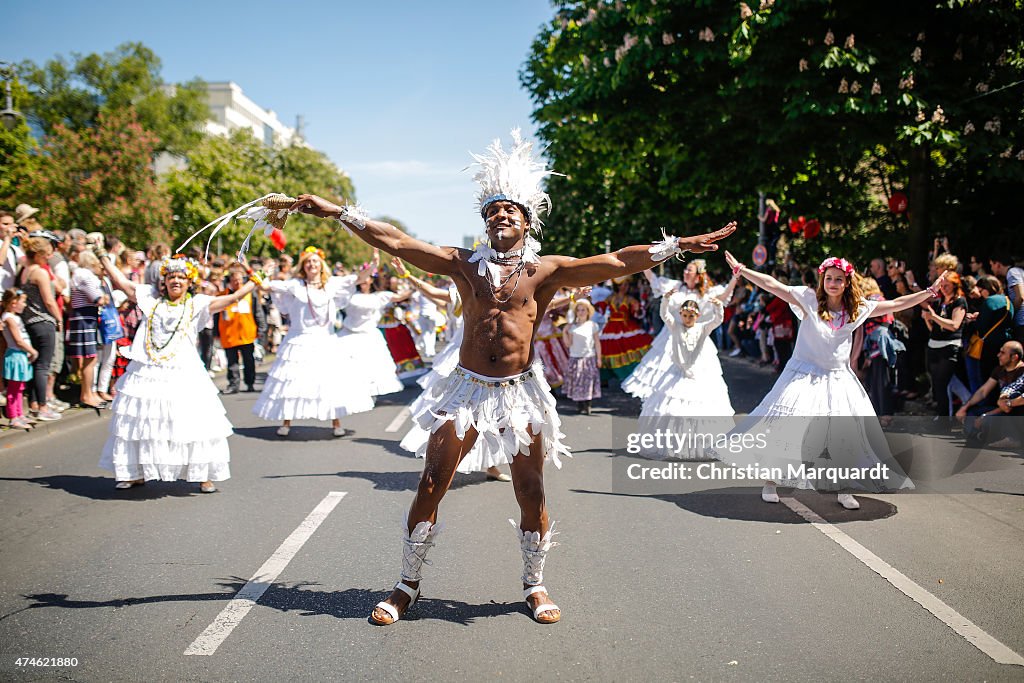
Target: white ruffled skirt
{"points": [[313, 379], [658, 361], [505, 417], [374, 367], [697, 402], [168, 423], [822, 418]]}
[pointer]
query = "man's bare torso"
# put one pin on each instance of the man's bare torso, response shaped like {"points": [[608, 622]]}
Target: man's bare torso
{"points": [[498, 337]]}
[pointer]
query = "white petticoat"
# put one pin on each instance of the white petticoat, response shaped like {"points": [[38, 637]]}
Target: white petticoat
{"points": [[793, 418], [658, 361], [505, 411], [168, 423], [313, 379], [374, 367], [697, 403]]}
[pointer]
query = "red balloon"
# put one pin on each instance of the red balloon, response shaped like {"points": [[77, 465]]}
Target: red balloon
{"points": [[812, 228], [278, 239], [898, 202]]}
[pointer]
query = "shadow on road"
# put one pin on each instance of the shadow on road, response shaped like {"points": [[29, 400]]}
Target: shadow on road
{"points": [[39, 600], [357, 603], [352, 603], [394, 481], [745, 504], [390, 445], [300, 433], [102, 488]]}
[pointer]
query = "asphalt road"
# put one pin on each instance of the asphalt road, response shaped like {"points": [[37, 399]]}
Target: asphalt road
{"points": [[702, 583]]}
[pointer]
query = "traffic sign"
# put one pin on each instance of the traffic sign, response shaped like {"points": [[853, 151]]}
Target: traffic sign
{"points": [[760, 255]]}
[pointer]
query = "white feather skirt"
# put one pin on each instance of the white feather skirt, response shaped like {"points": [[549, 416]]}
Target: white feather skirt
{"points": [[505, 417]]}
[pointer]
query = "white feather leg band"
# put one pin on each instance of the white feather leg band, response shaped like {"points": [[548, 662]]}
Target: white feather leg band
{"points": [[535, 552], [666, 248]]}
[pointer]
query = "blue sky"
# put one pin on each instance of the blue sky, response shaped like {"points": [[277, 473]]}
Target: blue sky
{"points": [[395, 93]]}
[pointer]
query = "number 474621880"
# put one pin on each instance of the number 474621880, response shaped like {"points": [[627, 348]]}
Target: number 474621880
{"points": [[46, 661]]}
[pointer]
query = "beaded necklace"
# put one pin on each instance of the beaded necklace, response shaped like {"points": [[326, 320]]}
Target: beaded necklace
{"points": [[517, 271], [842, 321], [152, 349], [314, 314]]}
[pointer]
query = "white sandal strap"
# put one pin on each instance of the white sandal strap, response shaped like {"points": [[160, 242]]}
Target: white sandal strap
{"points": [[390, 609], [527, 592], [546, 607], [413, 593]]}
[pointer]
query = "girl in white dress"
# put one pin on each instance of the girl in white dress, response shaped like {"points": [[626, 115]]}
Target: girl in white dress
{"points": [[312, 379], [168, 422], [363, 341], [687, 391], [658, 360], [818, 382]]}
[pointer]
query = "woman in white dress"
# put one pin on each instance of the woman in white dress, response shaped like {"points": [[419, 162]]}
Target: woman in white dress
{"points": [[819, 382], [312, 378], [658, 360], [168, 422], [687, 393], [362, 340]]}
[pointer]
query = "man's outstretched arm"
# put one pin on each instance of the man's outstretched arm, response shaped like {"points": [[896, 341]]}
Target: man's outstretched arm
{"points": [[572, 272], [383, 236]]}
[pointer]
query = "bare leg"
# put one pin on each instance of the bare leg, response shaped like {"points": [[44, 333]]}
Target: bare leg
{"points": [[87, 372], [528, 482], [444, 453]]}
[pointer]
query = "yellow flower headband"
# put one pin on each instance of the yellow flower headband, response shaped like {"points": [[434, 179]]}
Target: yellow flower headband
{"points": [[180, 264], [317, 251]]}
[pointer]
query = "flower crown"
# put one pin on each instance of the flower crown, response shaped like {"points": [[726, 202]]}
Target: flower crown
{"points": [[690, 305], [316, 250], [833, 262], [180, 263]]}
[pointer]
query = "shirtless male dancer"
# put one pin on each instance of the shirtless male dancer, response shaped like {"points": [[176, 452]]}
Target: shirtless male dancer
{"points": [[495, 394]]}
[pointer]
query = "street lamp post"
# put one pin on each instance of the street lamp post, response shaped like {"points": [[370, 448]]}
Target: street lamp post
{"points": [[9, 115]]}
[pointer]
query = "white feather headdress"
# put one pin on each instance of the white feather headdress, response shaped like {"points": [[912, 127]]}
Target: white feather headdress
{"points": [[513, 176]]}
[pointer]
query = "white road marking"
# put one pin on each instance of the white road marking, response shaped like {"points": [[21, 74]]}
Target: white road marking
{"points": [[399, 420], [999, 653], [215, 634]]}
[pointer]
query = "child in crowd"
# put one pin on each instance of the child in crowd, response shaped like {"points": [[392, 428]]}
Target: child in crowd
{"points": [[583, 377], [18, 357]]}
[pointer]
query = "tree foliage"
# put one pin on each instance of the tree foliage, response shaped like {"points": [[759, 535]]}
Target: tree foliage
{"points": [[677, 112], [74, 93], [100, 178], [224, 173], [17, 158]]}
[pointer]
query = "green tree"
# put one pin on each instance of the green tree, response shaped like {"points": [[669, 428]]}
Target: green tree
{"points": [[73, 93], [16, 155], [675, 113], [224, 173], [101, 178]]}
